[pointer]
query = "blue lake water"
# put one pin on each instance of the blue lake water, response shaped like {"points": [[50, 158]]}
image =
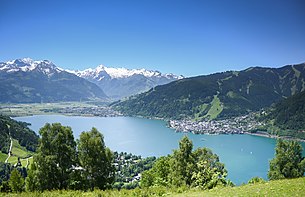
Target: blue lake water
{"points": [[244, 156]]}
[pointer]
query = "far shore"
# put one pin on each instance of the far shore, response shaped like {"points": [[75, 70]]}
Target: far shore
{"points": [[261, 134], [264, 134]]}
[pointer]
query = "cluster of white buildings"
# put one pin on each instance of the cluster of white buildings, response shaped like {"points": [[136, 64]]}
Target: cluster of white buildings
{"points": [[237, 125]]}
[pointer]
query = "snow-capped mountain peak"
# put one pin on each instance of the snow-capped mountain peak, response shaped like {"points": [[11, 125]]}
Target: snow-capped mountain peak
{"points": [[117, 83], [122, 82], [27, 64], [121, 73]]}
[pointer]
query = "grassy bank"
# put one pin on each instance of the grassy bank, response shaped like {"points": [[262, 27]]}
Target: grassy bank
{"points": [[287, 187], [18, 151]]}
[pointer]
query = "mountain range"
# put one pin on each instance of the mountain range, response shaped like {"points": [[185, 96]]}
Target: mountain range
{"points": [[28, 81], [218, 95], [118, 83]]}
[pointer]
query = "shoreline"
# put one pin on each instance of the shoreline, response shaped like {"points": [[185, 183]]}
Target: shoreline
{"points": [[267, 135], [260, 134]]}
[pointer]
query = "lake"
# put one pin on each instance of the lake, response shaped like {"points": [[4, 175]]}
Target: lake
{"points": [[245, 156]]}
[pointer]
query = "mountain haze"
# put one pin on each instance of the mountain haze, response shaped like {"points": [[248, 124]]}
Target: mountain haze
{"points": [[118, 83], [218, 95], [29, 81]]}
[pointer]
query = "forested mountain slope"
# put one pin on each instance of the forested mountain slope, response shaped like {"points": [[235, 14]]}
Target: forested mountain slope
{"points": [[218, 95], [287, 117]]}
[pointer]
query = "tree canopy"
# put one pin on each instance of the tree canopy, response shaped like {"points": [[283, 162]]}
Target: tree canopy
{"points": [[55, 157], [288, 161], [96, 159], [200, 168], [16, 181], [61, 163]]}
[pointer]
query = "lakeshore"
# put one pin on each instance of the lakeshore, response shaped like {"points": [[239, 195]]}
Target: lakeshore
{"points": [[148, 137], [246, 124], [268, 135], [236, 125]]}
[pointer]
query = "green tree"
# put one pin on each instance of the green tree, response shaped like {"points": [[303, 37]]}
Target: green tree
{"points": [[256, 180], [77, 180], [31, 181], [182, 163], [158, 175], [5, 171], [288, 161], [200, 168], [56, 155], [96, 159], [207, 172], [5, 187], [16, 181], [147, 178]]}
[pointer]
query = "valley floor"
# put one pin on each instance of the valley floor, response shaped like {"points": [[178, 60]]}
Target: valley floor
{"points": [[287, 187]]}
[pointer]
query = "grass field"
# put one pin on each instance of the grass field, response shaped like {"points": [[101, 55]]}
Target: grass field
{"points": [[24, 161], [215, 109], [38, 108], [17, 151], [288, 187], [20, 151]]}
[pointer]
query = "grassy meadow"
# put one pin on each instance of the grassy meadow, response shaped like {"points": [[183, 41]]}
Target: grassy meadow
{"points": [[286, 187]]}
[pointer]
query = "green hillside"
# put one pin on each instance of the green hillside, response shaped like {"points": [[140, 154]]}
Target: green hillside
{"points": [[238, 93], [287, 117], [286, 187], [19, 152], [16, 130]]}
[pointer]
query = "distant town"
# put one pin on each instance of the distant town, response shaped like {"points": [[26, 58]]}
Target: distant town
{"points": [[237, 125], [89, 111]]}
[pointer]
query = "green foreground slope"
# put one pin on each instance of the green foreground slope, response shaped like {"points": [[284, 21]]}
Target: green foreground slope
{"points": [[286, 187]]}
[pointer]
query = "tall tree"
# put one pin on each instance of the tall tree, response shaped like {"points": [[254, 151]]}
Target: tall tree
{"points": [[183, 163], [288, 161], [96, 159], [16, 181], [56, 155], [5, 171]]}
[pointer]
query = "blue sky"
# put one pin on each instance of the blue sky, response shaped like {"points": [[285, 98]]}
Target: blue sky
{"points": [[183, 37]]}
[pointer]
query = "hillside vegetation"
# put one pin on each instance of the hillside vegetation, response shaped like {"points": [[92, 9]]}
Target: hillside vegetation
{"points": [[16, 130], [218, 95], [285, 187], [287, 117]]}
